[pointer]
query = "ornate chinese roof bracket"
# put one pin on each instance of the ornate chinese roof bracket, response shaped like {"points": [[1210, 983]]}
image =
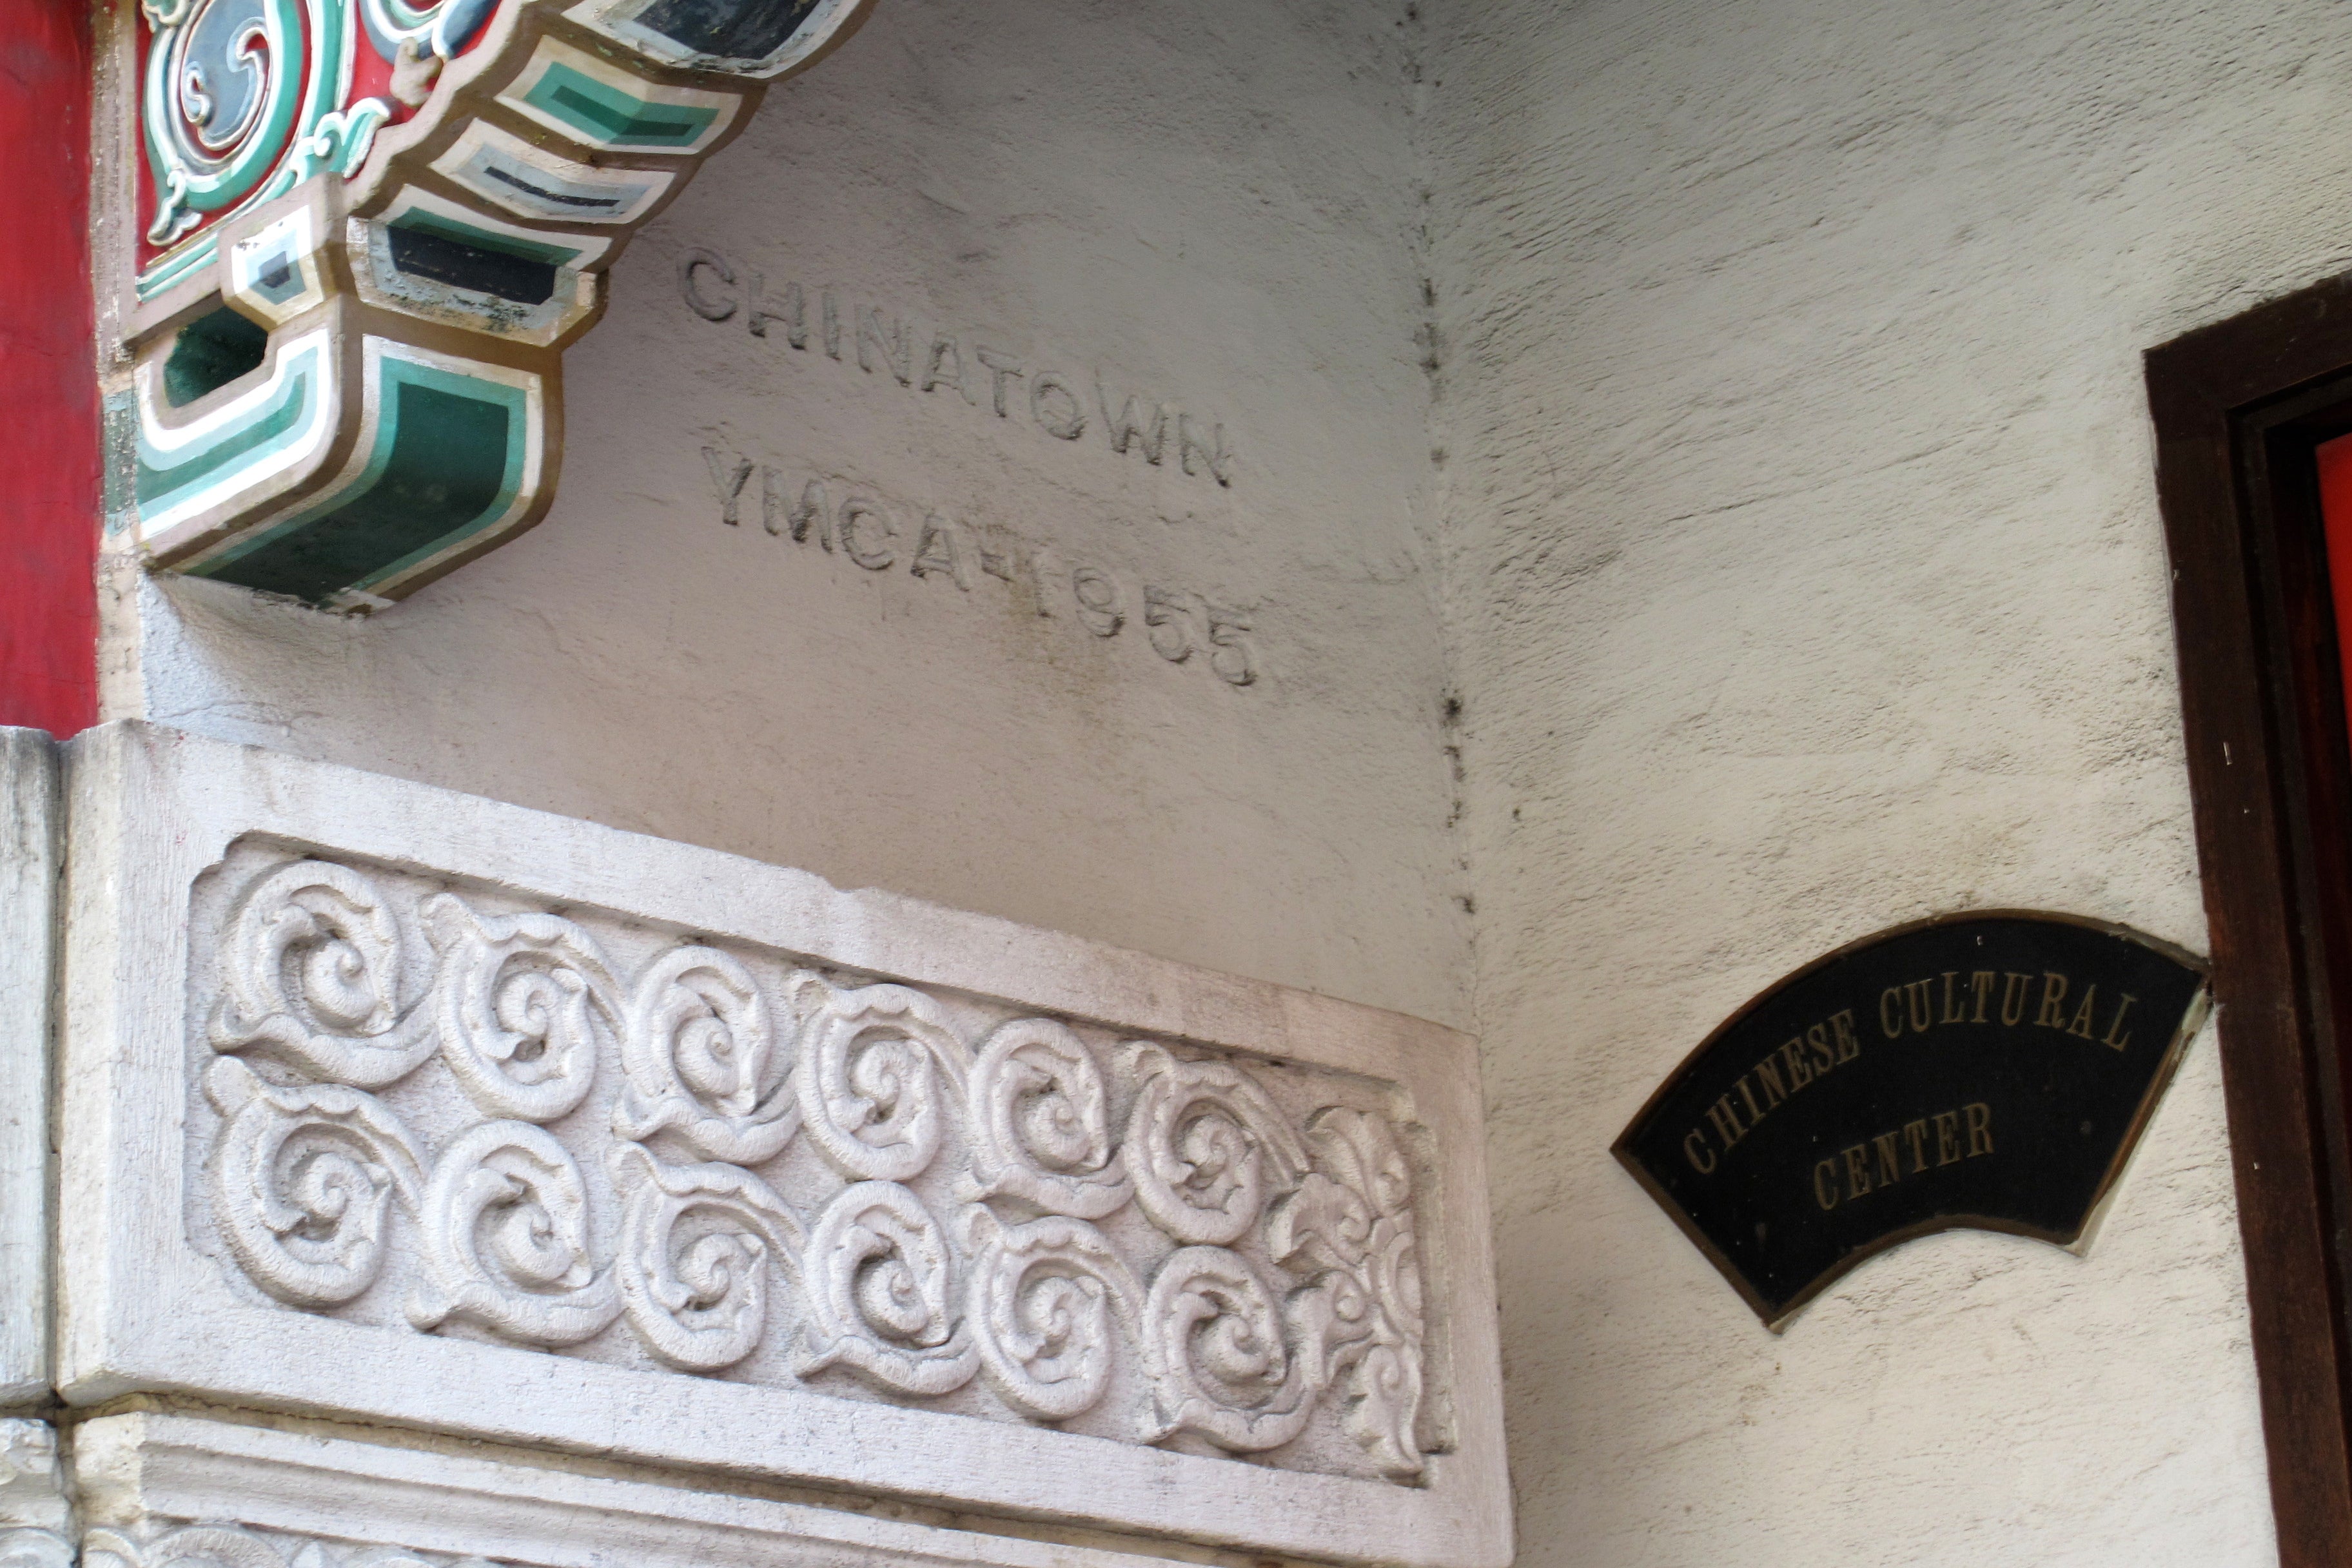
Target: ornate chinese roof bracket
{"points": [[369, 230]]}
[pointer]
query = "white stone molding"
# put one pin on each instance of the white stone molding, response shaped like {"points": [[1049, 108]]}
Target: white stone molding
{"points": [[386, 1102], [318, 1498], [30, 844]]}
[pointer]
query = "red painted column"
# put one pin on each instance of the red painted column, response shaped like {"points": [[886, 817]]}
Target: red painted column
{"points": [[49, 466]]}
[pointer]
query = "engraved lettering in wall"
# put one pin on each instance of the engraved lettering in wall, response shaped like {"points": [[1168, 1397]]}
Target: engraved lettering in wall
{"points": [[461, 1113], [882, 535], [1061, 404]]}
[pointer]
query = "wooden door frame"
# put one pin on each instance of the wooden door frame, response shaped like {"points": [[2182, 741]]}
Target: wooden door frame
{"points": [[2238, 408]]}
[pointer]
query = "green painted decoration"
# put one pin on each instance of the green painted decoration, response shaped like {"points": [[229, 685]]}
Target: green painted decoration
{"points": [[447, 462], [349, 312], [613, 119]]}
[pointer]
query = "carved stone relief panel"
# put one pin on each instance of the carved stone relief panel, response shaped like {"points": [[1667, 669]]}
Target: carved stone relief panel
{"points": [[432, 1110], [28, 887]]}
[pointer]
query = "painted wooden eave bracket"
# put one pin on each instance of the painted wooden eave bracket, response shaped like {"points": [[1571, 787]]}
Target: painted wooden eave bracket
{"points": [[349, 321]]}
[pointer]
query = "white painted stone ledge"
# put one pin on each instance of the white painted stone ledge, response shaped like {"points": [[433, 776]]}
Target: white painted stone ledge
{"points": [[29, 851], [164, 1489], [386, 1102]]}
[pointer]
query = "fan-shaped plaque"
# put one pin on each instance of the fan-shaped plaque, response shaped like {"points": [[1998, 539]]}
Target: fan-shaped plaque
{"points": [[1989, 1070]]}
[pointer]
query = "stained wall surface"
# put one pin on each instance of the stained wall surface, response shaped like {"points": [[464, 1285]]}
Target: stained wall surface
{"points": [[1051, 208], [1808, 578]]}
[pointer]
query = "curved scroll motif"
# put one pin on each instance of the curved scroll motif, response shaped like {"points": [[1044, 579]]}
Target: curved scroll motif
{"points": [[1207, 1148], [303, 1181], [313, 964], [1271, 1282], [1387, 1384], [695, 1245], [226, 96], [878, 1279], [1043, 1295], [1222, 1368], [1041, 1122], [1361, 1149], [868, 1076], [525, 1003], [434, 28], [505, 1220], [1351, 1223], [190, 1546], [30, 1547], [701, 1061]]}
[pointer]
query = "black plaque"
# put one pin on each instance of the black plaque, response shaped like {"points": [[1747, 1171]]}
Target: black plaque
{"points": [[1987, 1069]]}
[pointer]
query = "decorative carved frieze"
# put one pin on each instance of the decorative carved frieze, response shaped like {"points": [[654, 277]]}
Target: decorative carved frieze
{"points": [[430, 1110], [366, 231], [925, 1190]]}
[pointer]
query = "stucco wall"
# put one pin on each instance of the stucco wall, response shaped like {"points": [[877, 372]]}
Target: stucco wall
{"points": [[1807, 577], [1204, 212]]}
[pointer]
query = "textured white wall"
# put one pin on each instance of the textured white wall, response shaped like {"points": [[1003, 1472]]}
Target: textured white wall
{"points": [[1808, 577], [1208, 207]]}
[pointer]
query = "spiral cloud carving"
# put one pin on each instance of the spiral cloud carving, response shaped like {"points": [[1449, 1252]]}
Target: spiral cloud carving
{"points": [[717, 1159]]}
